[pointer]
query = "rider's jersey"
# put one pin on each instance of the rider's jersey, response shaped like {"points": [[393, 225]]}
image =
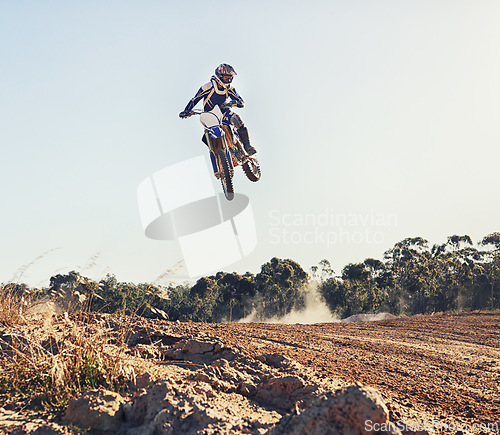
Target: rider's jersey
{"points": [[213, 96]]}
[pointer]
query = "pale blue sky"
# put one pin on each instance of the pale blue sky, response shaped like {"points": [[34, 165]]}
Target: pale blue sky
{"points": [[374, 121]]}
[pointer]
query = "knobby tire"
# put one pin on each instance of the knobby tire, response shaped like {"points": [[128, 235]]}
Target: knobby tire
{"points": [[251, 169], [225, 175]]}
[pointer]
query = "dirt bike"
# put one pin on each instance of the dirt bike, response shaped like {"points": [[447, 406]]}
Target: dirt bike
{"points": [[226, 149]]}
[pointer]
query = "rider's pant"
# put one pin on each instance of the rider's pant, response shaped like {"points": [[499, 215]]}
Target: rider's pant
{"points": [[233, 118]]}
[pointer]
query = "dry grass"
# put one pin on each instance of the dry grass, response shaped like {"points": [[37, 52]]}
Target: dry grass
{"points": [[47, 364], [14, 298]]}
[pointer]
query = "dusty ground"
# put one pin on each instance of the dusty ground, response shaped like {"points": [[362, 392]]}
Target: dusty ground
{"points": [[446, 367], [443, 369]]}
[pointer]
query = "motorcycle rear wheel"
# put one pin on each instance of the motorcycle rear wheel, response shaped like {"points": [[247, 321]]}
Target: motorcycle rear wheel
{"points": [[251, 168]]}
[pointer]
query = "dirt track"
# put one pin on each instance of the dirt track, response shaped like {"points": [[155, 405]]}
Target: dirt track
{"points": [[445, 367], [428, 369]]}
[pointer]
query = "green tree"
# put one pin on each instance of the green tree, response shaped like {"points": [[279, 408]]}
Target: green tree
{"points": [[408, 261], [451, 265], [493, 266], [281, 287], [204, 295], [333, 292], [179, 305], [355, 279], [322, 271], [235, 293]]}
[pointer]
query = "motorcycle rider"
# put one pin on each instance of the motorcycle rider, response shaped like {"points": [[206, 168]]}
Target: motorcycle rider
{"points": [[215, 93]]}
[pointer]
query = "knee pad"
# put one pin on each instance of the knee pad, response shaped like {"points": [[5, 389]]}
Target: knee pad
{"points": [[236, 121]]}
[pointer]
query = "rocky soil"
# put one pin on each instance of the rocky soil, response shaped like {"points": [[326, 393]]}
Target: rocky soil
{"points": [[417, 374]]}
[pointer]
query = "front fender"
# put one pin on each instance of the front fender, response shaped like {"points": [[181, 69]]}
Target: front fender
{"points": [[216, 131]]}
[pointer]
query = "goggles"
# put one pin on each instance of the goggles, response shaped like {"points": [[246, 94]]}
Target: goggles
{"points": [[226, 78]]}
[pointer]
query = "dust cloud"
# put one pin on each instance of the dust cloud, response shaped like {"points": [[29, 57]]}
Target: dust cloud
{"points": [[315, 311]]}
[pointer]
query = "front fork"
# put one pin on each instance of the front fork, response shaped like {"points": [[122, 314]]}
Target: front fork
{"points": [[213, 159]]}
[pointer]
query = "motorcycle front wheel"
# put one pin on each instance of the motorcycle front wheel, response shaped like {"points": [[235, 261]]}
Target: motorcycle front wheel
{"points": [[225, 175]]}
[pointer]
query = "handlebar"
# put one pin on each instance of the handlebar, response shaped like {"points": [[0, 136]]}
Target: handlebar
{"points": [[229, 104]]}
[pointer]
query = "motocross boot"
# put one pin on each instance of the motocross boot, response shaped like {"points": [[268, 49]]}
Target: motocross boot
{"points": [[245, 140]]}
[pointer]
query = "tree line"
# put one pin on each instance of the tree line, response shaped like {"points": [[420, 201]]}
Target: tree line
{"points": [[413, 277], [276, 290]]}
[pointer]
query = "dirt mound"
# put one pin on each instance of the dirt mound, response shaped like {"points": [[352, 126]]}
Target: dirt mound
{"points": [[344, 413], [225, 391]]}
